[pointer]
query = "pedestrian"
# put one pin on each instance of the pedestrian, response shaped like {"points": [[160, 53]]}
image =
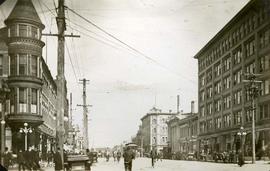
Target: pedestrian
{"points": [[153, 157], [35, 159], [58, 165], [21, 160], [90, 156], [7, 158], [118, 155], [128, 157], [2, 168], [241, 161]]}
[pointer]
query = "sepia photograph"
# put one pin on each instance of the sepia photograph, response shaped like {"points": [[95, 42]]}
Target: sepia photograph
{"points": [[134, 85]]}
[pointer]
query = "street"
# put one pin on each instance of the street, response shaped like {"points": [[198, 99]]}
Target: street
{"points": [[144, 164]]}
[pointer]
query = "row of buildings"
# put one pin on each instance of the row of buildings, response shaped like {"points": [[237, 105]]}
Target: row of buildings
{"points": [[32, 91], [225, 99]]}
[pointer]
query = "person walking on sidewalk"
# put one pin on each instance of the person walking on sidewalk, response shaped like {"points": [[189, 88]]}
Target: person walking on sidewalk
{"points": [[153, 157], [128, 157], [58, 165], [7, 158], [241, 161], [21, 160]]}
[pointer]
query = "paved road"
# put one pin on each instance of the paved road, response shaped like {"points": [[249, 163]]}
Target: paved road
{"points": [[144, 164]]}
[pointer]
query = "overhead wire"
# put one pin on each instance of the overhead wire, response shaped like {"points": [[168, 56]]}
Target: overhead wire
{"points": [[71, 63], [131, 47], [74, 51]]}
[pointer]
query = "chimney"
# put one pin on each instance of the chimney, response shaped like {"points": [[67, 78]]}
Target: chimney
{"points": [[178, 103], [192, 107]]}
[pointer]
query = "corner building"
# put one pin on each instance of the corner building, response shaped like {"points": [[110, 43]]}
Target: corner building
{"points": [[32, 95], [242, 46]]}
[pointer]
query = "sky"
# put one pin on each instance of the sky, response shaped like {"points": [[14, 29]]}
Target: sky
{"points": [[125, 84]]}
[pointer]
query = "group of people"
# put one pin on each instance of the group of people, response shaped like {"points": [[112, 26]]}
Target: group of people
{"points": [[29, 159]]}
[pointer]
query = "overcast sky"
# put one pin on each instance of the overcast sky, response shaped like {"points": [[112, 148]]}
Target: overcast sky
{"points": [[125, 85]]}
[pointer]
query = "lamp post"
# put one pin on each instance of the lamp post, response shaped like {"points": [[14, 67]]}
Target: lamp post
{"points": [[4, 90], [242, 133], [25, 130]]}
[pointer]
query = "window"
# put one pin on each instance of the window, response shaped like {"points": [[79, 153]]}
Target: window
{"points": [[237, 97], [227, 82], [217, 69], [22, 64], [209, 108], [209, 92], [264, 63], [265, 87], [202, 111], [227, 120], [154, 121], [227, 64], [12, 99], [1, 64], [209, 75], [217, 104], [34, 32], [227, 102], [209, 124], [34, 101], [264, 38], [13, 64], [202, 96], [250, 48], [217, 87], [202, 80], [264, 111], [250, 68], [237, 77], [237, 117], [218, 122], [34, 65], [237, 56], [248, 115], [13, 30], [22, 30], [202, 127], [22, 99]]}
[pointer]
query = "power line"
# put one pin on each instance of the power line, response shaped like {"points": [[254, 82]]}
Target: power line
{"points": [[75, 75], [132, 48]]}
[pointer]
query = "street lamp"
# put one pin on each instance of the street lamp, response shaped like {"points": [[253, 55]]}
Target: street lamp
{"points": [[25, 130], [242, 133]]}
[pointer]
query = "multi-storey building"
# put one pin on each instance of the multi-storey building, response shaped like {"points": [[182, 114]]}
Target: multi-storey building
{"points": [[241, 46], [182, 133], [33, 91], [155, 130]]}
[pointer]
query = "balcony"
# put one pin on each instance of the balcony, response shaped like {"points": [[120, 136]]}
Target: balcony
{"points": [[24, 79], [17, 120]]}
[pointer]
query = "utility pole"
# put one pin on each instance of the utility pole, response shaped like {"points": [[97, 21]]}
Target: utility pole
{"points": [[85, 116], [61, 81], [253, 92]]}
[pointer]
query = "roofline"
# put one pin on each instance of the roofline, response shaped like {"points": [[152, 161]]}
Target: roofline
{"points": [[149, 114], [228, 25]]}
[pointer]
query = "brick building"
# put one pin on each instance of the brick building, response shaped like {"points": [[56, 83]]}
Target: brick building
{"points": [[241, 46]]}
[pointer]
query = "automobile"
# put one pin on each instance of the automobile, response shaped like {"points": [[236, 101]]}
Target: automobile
{"points": [[191, 156]]}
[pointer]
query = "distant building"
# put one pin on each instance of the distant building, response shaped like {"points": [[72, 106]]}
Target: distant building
{"points": [[183, 132], [241, 46], [155, 130]]}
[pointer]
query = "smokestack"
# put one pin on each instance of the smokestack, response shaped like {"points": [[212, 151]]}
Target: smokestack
{"points": [[192, 107], [178, 103]]}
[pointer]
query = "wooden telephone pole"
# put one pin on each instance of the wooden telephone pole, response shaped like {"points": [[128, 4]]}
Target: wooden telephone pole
{"points": [[61, 81], [85, 115]]}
